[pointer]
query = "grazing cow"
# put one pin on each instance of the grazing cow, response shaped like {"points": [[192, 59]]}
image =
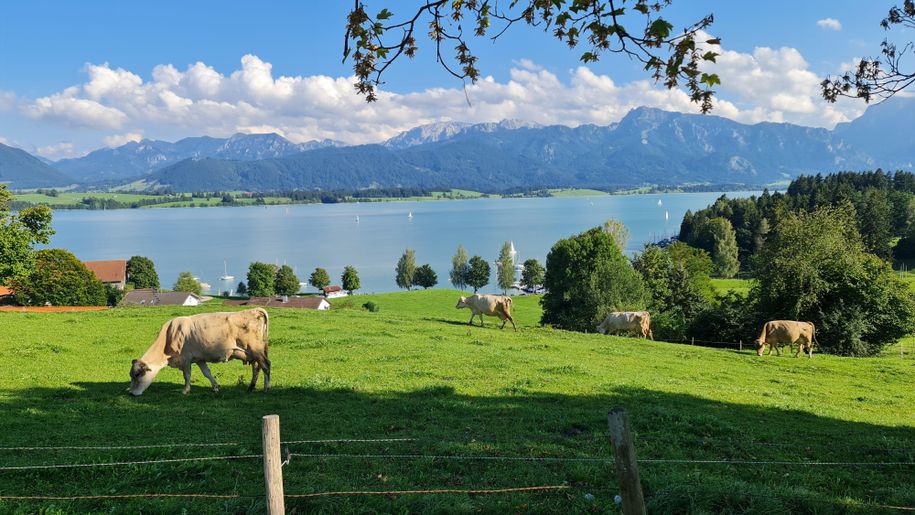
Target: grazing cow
{"points": [[208, 337], [780, 332], [631, 322], [490, 305]]}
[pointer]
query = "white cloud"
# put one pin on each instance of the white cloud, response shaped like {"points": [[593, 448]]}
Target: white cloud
{"points": [[7, 100], [120, 139], [765, 85], [58, 151], [4, 140], [829, 24]]}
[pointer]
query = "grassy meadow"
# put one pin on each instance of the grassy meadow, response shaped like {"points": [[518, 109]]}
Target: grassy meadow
{"points": [[414, 369]]}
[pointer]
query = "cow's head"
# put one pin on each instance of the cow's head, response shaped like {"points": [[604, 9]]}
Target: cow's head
{"points": [[141, 376], [462, 303], [760, 345], [602, 328]]}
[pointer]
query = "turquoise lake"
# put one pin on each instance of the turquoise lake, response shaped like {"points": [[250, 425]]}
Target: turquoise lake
{"points": [[199, 240]]}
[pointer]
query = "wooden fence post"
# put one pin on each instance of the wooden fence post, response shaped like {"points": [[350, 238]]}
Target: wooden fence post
{"points": [[273, 465], [740, 342], [627, 470], [692, 341]]}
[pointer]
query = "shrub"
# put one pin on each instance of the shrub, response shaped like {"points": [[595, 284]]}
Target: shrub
{"points": [[58, 278], [186, 282], [729, 318], [371, 306], [678, 284], [587, 276]]}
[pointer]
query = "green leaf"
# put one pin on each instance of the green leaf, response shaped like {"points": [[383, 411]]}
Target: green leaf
{"points": [[710, 56], [384, 15], [711, 79], [660, 29]]}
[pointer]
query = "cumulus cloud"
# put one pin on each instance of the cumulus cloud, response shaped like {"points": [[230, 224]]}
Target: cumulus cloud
{"points": [[829, 24], [58, 151], [765, 85], [120, 139]]}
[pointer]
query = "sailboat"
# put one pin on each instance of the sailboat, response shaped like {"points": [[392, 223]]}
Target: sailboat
{"points": [[225, 272], [666, 215], [357, 219], [410, 215], [660, 203]]}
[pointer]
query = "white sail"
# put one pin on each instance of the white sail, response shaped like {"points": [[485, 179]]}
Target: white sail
{"points": [[225, 272]]}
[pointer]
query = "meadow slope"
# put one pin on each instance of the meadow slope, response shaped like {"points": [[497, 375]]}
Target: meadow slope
{"points": [[416, 370]]}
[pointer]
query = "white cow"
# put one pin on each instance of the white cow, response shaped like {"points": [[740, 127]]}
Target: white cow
{"points": [[632, 322], [208, 337], [490, 305]]}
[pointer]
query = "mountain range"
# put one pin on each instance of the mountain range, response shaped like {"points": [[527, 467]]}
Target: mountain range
{"points": [[647, 147]]}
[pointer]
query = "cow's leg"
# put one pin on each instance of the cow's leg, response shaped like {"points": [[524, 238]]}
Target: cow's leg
{"points": [[512, 320], [209, 375], [472, 315], [481, 319], [266, 366], [770, 349], [778, 352], [255, 371], [187, 378]]}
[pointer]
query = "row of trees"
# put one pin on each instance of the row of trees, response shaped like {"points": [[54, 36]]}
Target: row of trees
{"points": [[266, 280]]}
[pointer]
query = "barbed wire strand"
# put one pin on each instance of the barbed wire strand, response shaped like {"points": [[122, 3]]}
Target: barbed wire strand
{"points": [[121, 463], [603, 460], [114, 496], [435, 491], [181, 445]]}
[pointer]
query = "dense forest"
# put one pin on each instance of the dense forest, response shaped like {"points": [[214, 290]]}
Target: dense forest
{"points": [[883, 205]]}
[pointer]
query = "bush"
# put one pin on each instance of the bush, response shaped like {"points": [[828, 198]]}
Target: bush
{"points": [[186, 282], [729, 318], [677, 280], [371, 306], [58, 278], [815, 268], [113, 294], [587, 277]]}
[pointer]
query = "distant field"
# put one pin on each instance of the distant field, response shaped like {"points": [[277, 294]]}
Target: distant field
{"points": [[75, 198], [741, 286], [416, 370], [435, 195], [572, 192]]}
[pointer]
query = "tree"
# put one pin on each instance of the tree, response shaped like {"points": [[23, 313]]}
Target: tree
{"points": [[350, 279], [19, 233], [459, 268], [477, 273], [58, 278], [285, 281], [261, 279], [587, 277], [532, 274], [505, 271], [677, 280], [815, 268], [186, 282], [242, 288], [406, 269], [724, 247], [880, 77], [638, 30], [141, 273], [425, 276], [619, 232], [319, 278]]}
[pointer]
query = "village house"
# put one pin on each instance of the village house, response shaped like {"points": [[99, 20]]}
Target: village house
{"points": [[333, 291], [152, 297], [111, 272], [6, 295], [283, 302]]}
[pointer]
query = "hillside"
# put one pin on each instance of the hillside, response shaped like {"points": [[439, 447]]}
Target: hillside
{"points": [[415, 370], [19, 169]]}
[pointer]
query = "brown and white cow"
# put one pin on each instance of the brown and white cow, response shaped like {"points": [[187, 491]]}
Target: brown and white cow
{"points": [[627, 322], [203, 338], [489, 305], [781, 332]]}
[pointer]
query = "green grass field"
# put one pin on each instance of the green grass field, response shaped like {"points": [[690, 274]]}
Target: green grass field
{"points": [[73, 199], [575, 192], [416, 370]]}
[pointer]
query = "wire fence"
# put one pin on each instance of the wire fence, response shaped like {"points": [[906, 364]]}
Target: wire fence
{"points": [[904, 464]]}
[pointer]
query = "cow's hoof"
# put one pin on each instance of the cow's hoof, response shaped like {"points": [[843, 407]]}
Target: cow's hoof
{"points": [[215, 389]]}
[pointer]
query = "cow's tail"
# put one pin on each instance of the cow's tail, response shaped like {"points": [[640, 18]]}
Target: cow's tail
{"points": [[813, 334], [263, 313]]}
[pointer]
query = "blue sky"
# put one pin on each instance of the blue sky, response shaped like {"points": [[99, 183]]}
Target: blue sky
{"points": [[80, 75]]}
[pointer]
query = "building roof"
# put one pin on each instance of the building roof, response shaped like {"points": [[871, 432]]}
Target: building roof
{"points": [[109, 271], [332, 289], [278, 302], [151, 297], [4, 291]]}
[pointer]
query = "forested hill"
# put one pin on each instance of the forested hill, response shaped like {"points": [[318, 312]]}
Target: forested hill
{"points": [[883, 203]]}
